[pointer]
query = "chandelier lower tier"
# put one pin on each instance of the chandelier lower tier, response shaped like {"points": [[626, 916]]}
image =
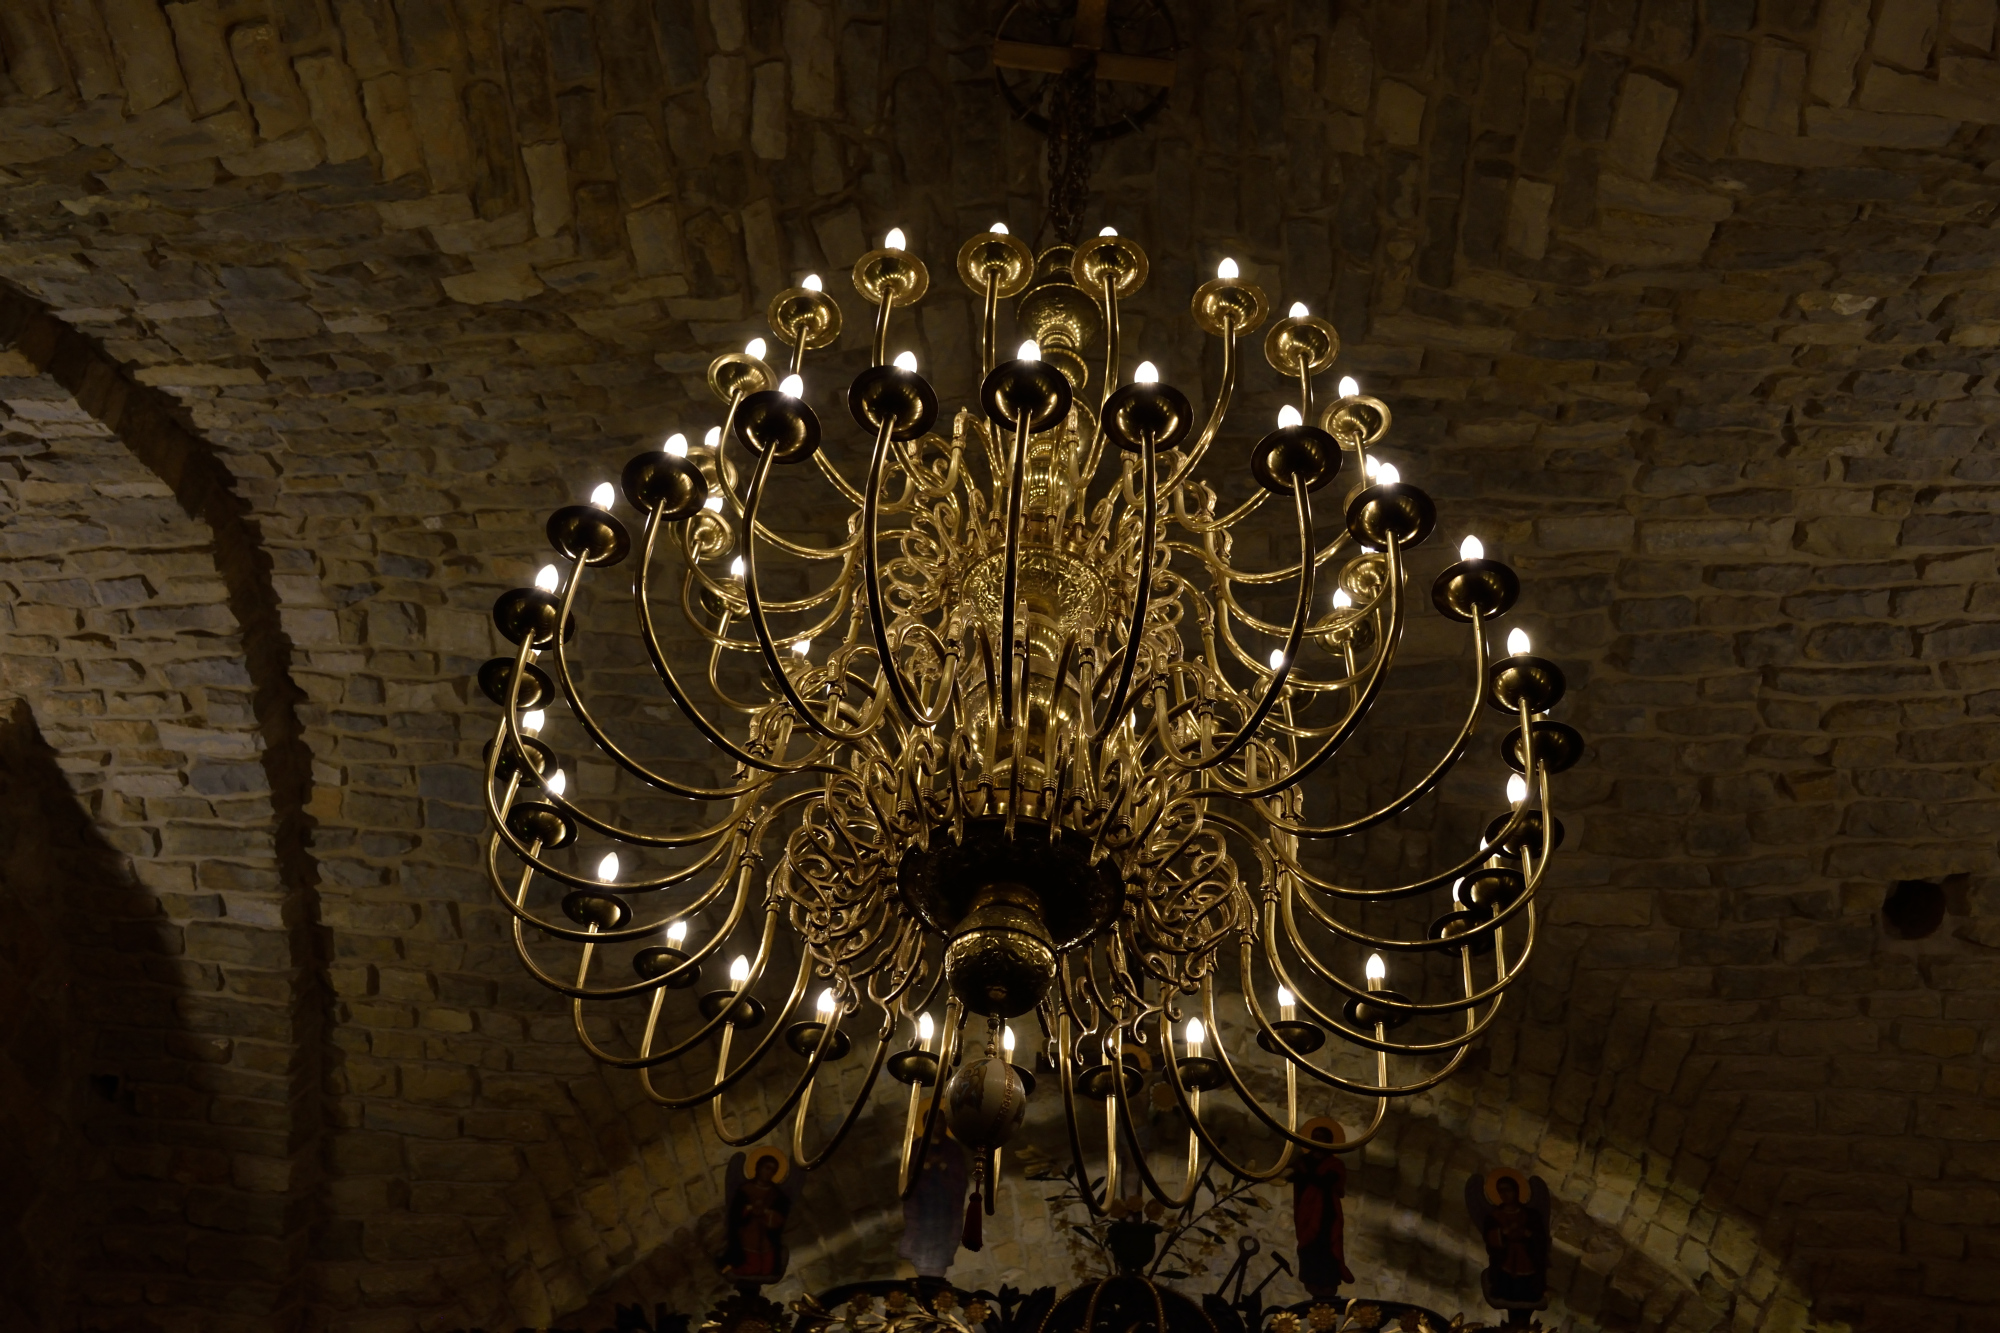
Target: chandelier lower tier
{"points": [[1018, 748]]}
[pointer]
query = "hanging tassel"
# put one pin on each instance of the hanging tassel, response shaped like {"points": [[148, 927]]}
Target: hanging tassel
{"points": [[973, 1238]]}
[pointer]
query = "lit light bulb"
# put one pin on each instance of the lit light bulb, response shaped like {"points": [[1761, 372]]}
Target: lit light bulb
{"points": [[1007, 1039], [894, 240], [1472, 549], [1029, 351], [607, 869], [802, 647], [531, 721], [713, 504], [1350, 387], [1277, 658], [1107, 231], [812, 283], [1298, 310], [1288, 1005], [1386, 475], [1341, 600], [712, 437], [1517, 643], [1288, 416], [677, 445], [739, 971], [1227, 270], [1371, 467], [826, 1001], [1517, 790], [677, 933], [557, 783], [601, 495], [755, 347], [792, 386], [1377, 969], [736, 568], [906, 360], [997, 229], [1196, 1035], [925, 1027], [1147, 373], [547, 579], [1457, 899]]}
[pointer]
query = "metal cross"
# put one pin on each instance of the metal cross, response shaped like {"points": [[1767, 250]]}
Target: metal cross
{"points": [[1086, 48]]}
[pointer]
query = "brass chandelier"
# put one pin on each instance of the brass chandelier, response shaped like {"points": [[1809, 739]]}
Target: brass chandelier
{"points": [[1019, 748]]}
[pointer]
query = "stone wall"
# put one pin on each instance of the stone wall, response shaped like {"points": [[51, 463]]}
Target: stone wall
{"points": [[1688, 302]]}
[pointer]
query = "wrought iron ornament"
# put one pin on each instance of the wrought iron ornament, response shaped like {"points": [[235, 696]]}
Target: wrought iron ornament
{"points": [[1029, 750]]}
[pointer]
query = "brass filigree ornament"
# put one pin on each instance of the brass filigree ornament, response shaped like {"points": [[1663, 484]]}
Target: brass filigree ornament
{"points": [[1023, 750]]}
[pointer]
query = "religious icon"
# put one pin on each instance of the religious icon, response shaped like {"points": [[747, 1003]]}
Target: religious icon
{"points": [[755, 1213], [1511, 1210], [1319, 1183], [934, 1210]]}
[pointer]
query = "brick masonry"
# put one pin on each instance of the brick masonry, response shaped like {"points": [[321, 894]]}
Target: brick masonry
{"points": [[1690, 302]]}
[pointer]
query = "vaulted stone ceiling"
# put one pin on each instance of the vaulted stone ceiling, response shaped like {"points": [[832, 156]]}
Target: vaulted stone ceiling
{"points": [[316, 306]]}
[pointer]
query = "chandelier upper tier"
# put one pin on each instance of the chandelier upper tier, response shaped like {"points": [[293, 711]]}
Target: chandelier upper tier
{"points": [[1029, 743]]}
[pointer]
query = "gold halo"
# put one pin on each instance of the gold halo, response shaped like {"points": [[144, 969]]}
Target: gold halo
{"points": [[1327, 1123], [1493, 1177], [756, 1155]]}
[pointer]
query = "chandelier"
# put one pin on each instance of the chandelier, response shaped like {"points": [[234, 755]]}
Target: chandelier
{"points": [[1030, 743]]}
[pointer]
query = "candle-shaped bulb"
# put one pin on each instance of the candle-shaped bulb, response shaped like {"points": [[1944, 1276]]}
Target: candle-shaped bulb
{"points": [[826, 1000], [1517, 643], [1147, 373], [906, 360], [1107, 231], [1472, 549], [925, 1027], [792, 386], [1377, 969], [755, 347], [802, 647], [1288, 1004], [1277, 658], [895, 240], [998, 229], [531, 722], [1007, 1038], [812, 283], [1029, 351], [1227, 270], [547, 579], [1350, 387], [736, 567], [1457, 894], [739, 971], [1341, 599], [1298, 310], [1288, 416], [607, 869], [1517, 789], [1371, 468], [677, 933], [1196, 1035], [601, 495], [713, 504], [677, 445], [1386, 475], [712, 436], [556, 783]]}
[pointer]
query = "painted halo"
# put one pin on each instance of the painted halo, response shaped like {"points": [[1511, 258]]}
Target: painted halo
{"points": [[756, 1155]]}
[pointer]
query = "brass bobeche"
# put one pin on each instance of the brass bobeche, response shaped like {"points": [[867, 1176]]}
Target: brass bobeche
{"points": [[1026, 748]]}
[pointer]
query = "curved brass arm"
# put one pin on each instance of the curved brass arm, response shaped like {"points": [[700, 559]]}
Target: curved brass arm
{"points": [[1142, 596], [878, 614], [1223, 394]]}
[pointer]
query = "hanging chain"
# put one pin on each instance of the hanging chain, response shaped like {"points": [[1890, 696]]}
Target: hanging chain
{"points": [[1072, 122]]}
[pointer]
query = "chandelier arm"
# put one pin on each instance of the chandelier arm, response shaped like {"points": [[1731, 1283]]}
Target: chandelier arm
{"points": [[1229, 520], [989, 324], [758, 621], [725, 1079], [1424, 785], [1301, 612], [951, 1038], [1094, 454], [1190, 1103], [1226, 572], [1424, 945], [1142, 596], [1224, 392], [1363, 701], [1201, 1131], [853, 1111], [1066, 1072], [1410, 1007], [726, 472], [871, 565], [649, 633], [1017, 489]]}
